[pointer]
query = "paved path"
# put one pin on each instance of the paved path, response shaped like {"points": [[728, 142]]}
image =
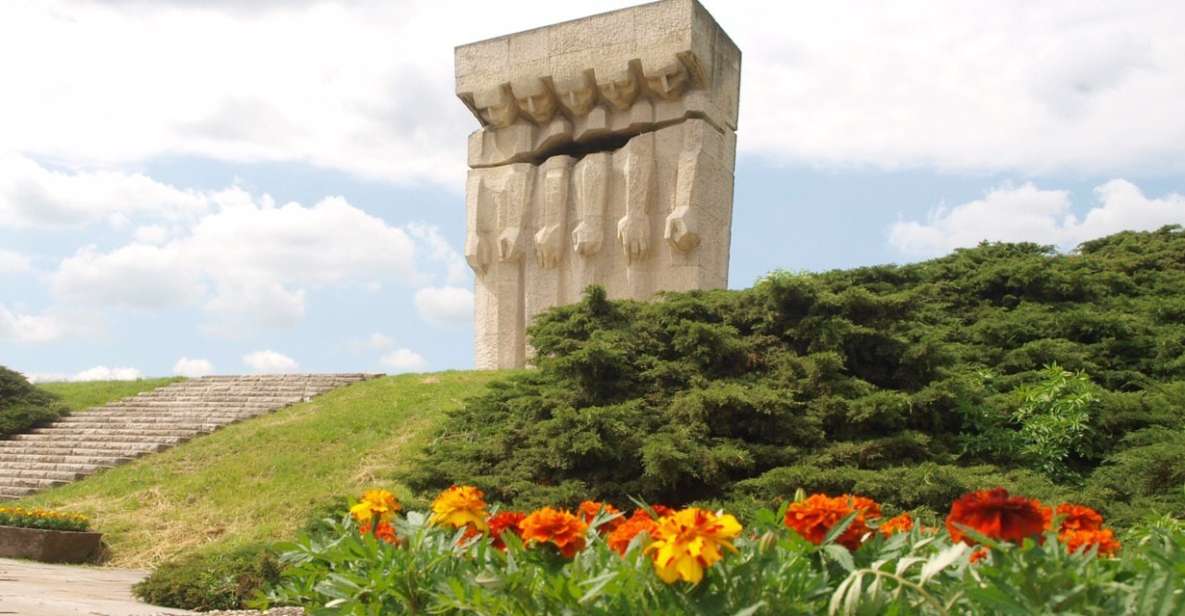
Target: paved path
{"points": [[37, 589]]}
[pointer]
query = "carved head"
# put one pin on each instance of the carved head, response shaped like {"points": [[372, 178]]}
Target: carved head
{"points": [[534, 99], [620, 88], [496, 107], [668, 81], [577, 94]]}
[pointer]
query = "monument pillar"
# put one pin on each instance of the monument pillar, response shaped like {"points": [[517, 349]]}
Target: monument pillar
{"points": [[605, 156]]}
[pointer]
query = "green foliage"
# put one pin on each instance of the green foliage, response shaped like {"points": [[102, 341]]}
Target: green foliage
{"points": [[1055, 421], [23, 406], [772, 571], [211, 581], [915, 380]]}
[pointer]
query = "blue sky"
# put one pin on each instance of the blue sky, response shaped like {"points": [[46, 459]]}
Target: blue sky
{"points": [[291, 198]]}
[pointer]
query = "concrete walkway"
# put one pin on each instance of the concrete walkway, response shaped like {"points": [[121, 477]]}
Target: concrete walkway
{"points": [[37, 589]]}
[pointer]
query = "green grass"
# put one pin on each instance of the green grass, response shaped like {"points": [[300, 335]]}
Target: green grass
{"points": [[260, 480], [78, 396]]}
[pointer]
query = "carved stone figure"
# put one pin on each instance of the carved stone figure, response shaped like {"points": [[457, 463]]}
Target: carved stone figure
{"points": [[605, 156]]}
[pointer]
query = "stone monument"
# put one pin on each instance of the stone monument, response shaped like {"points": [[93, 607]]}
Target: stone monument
{"points": [[605, 156]]}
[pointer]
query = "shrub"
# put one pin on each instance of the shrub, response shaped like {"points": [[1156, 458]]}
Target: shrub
{"points": [[872, 376], [212, 580], [23, 406]]}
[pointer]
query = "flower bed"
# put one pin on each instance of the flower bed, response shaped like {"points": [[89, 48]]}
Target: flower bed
{"points": [[995, 552], [46, 536]]}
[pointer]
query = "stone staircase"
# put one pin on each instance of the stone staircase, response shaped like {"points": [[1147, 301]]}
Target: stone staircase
{"points": [[88, 441]]}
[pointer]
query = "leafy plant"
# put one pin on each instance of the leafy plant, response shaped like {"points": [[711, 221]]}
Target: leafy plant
{"points": [[1055, 421]]}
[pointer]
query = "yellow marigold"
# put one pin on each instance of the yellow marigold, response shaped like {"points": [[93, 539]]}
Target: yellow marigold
{"points": [[374, 503], [460, 506], [559, 528], [686, 543]]}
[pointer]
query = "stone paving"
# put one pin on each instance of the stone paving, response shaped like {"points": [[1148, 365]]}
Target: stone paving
{"points": [[37, 589], [88, 441]]}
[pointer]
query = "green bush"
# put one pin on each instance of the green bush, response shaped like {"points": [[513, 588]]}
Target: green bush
{"points": [[211, 581], [918, 380], [23, 406]]}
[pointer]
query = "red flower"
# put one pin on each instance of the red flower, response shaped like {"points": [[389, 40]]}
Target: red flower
{"points": [[979, 555], [1078, 517], [588, 512], [505, 522], [995, 514], [900, 524], [814, 517]]}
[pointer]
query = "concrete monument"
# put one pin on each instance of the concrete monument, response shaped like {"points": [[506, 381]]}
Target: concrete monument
{"points": [[605, 156]]}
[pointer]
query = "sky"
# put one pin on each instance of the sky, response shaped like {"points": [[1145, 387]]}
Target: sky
{"points": [[227, 187]]}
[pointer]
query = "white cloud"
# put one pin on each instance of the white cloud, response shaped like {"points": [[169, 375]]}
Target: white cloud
{"points": [[193, 368], [404, 360], [32, 328], [441, 251], [270, 362], [13, 262], [248, 262], [1029, 214], [32, 195], [103, 373], [445, 305], [982, 85]]}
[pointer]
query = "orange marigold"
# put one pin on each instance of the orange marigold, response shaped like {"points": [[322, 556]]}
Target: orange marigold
{"points": [[995, 514], [460, 506], [814, 517], [559, 528], [1082, 540], [590, 509], [504, 522], [898, 524], [379, 504], [979, 555], [1078, 517], [625, 532]]}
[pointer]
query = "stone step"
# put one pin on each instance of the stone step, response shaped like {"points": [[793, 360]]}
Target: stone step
{"points": [[123, 424], [98, 461], [118, 431], [7, 465], [88, 448], [36, 473], [78, 441], [30, 482], [10, 493]]}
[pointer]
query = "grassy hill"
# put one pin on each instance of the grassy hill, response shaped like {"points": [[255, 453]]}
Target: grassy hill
{"points": [[260, 480]]}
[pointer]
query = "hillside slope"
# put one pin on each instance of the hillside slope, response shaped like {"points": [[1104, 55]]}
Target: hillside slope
{"points": [[909, 384], [261, 479]]}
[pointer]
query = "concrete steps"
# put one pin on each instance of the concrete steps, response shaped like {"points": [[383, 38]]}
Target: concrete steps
{"points": [[87, 442]]}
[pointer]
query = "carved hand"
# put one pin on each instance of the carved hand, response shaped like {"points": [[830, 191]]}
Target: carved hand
{"points": [[634, 234], [548, 246], [587, 239], [477, 253], [510, 244], [679, 230]]}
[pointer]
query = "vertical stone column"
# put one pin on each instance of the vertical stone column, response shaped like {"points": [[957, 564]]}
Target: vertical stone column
{"points": [[605, 156]]}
